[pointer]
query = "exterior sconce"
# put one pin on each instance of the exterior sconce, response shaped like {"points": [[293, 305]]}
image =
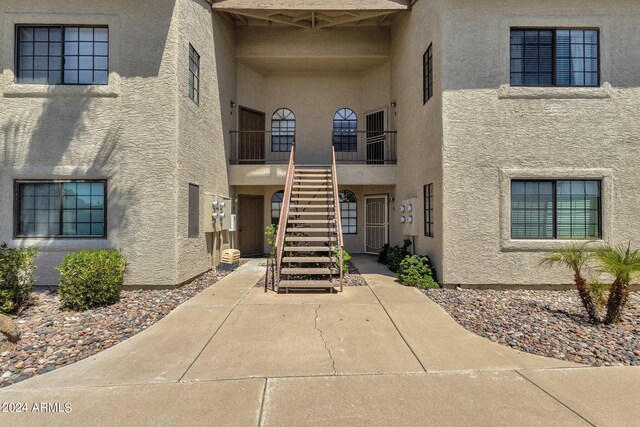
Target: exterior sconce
{"points": [[394, 104], [233, 104], [402, 220]]}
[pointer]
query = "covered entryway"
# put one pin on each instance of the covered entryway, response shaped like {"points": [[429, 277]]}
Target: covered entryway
{"points": [[376, 232], [251, 225]]}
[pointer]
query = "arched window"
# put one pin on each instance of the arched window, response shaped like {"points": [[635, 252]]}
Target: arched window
{"points": [[283, 130], [345, 128], [348, 212], [276, 206]]}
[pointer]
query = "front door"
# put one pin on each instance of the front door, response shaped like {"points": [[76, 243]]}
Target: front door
{"points": [[376, 126], [251, 225], [376, 227], [251, 144]]}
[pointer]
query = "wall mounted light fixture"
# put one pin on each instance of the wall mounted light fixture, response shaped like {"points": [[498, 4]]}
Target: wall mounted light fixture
{"points": [[233, 104], [394, 104]]}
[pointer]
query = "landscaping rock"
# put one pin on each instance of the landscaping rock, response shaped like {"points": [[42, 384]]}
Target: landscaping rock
{"points": [[52, 338], [8, 330], [546, 323]]}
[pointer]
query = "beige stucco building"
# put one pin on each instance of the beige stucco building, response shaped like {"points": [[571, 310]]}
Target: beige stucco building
{"points": [[496, 130]]}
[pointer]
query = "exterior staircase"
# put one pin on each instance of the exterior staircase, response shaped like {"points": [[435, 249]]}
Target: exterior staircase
{"points": [[309, 241]]}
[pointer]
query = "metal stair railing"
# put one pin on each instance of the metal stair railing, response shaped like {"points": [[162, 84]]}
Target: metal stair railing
{"points": [[284, 215]]}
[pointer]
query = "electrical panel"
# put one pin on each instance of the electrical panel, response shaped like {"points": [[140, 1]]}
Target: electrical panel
{"points": [[217, 213], [409, 217]]}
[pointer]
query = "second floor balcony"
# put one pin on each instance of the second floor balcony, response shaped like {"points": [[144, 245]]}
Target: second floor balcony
{"points": [[262, 147]]}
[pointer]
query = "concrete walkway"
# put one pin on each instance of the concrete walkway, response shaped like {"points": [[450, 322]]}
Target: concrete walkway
{"points": [[378, 355]]}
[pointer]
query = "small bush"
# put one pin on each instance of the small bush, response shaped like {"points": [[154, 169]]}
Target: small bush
{"points": [[345, 260], [271, 231], [16, 277], [382, 257], [90, 279], [417, 271], [396, 254]]}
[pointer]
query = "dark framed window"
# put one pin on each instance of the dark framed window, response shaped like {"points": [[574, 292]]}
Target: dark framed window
{"points": [[427, 74], [555, 57], [428, 210], [60, 208], [194, 210], [348, 212], [283, 130], [57, 54], [563, 209], [276, 206], [345, 130], [194, 75]]}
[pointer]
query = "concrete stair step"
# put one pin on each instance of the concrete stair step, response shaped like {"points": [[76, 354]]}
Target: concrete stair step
{"points": [[311, 181], [308, 284], [312, 221], [309, 239], [300, 270], [310, 230], [311, 199], [309, 248], [328, 213], [309, 259], [309, 206]]}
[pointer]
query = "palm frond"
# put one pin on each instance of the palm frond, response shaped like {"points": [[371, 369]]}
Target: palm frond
{"points": [[620, 261], [573, 255]]}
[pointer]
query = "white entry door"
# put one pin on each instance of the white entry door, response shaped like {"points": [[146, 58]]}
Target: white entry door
{"points": [[376, 227]]}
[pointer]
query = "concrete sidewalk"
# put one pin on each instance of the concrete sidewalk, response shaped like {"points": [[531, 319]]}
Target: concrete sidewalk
{"points": [[378, 355]]}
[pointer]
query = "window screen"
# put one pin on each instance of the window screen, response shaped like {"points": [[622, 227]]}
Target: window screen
{"points": [[194, 210]]}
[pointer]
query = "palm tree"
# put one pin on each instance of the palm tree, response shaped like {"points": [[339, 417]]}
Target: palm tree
{"points": [[622, 263], [576, 257]]}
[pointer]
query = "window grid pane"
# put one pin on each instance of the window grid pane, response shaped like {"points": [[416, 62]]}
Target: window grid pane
{"points": [[62, 55], [194, 75], [276, 206], [61, 209], [428, 210], [348, 212], [427, 74], [283, 130], [345, 131], [565, 209]]}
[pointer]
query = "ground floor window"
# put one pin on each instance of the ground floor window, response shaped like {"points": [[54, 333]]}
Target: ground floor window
{"points": [[276, 206], [61, 209], [348, 212], [194, 210], [428, 210], [562, 209]]}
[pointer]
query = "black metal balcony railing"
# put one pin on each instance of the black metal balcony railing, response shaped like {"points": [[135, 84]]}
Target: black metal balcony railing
{"points": [[353, 147]]}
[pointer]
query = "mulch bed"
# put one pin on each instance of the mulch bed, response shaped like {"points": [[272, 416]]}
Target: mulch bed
{"points": [[546, 323], [52, 338]]}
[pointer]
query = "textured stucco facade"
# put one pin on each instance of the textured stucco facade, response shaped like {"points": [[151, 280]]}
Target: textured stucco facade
{"points": [[146, 137]]}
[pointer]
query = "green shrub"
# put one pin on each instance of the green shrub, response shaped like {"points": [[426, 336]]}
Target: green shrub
{"points": [[345, 260], [91, 278], [396, 254], [271, 231], [16, 277], [417, 271], [382, 257]]}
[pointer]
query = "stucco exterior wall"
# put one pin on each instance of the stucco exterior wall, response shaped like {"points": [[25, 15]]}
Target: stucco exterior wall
{"points": [[494, 133], [124, 132], [201, 130], [419, 126]]}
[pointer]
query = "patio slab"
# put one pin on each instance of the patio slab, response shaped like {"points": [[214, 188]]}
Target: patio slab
{"points": [[478, 399]]}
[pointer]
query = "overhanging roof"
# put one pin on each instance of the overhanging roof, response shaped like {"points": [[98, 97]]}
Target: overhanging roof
{"points": [[318, 5]]}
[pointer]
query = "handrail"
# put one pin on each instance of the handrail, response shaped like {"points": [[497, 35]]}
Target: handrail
{"points": [[284, 212], [336, 204]]}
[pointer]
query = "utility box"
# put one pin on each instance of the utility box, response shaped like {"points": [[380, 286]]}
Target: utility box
{"points": [[409, 217], [217, 213]]}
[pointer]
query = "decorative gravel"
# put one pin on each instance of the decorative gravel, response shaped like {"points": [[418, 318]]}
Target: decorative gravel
{"points": [[546, 323], [52, 338]]}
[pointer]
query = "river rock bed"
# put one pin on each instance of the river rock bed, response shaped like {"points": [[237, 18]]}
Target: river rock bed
{"points": [[52, 338], [546, 323]]}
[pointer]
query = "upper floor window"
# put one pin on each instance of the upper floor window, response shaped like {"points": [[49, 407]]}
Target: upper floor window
{"points": [[69, 55], [555, 57], [345, 130], [283, 130], [61, 209], [427, 74], [556, 209], [348, 212], [194, 75]]}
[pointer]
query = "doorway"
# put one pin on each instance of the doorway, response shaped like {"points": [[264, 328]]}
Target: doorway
{"points": [[375, 126], [376, 223], [252, 131], [251, 225]]}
